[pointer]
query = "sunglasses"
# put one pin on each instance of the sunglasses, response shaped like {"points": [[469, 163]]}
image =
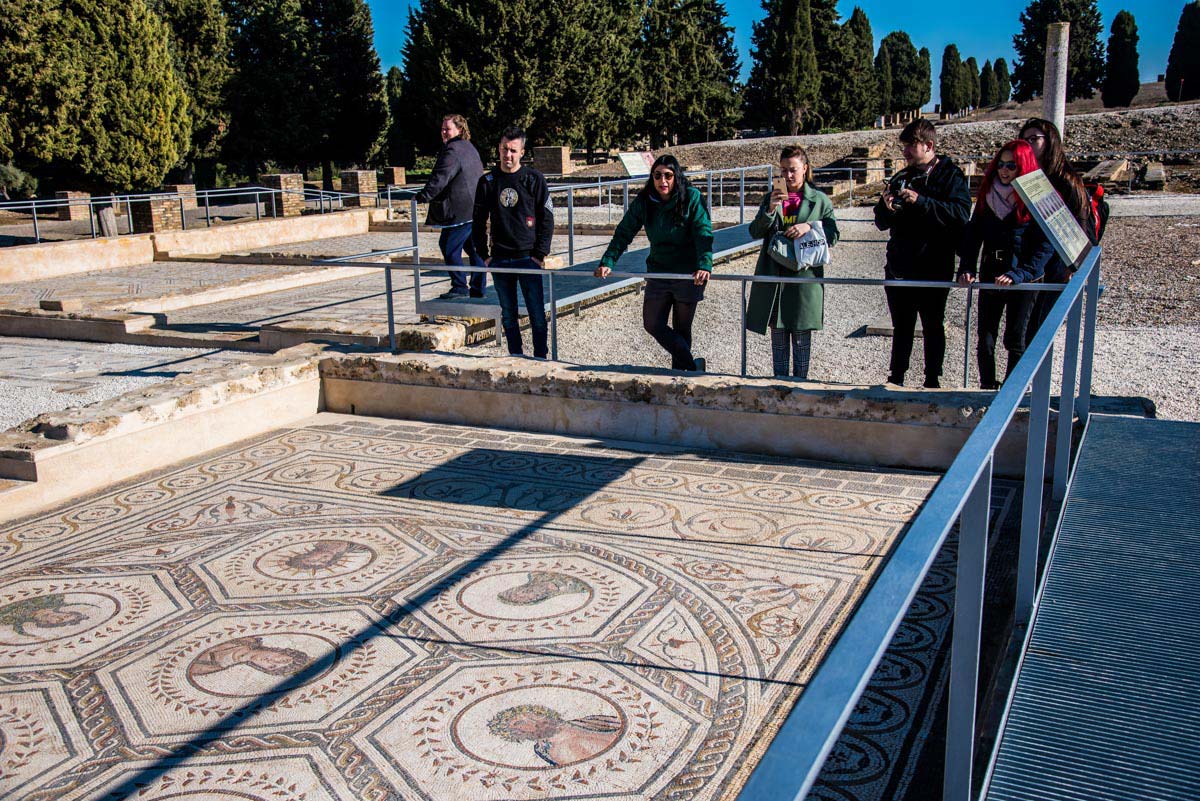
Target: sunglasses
{"points": [[661, 174], [1006, 165], [1033, 137]]}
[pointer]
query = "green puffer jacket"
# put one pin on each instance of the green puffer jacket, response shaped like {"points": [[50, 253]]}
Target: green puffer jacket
{"points": [[795, 307], [675, 247]]}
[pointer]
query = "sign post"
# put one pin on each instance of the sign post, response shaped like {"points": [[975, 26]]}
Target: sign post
{"points": [[1055, 219]]}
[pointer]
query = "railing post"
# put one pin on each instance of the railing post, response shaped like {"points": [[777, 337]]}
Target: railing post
{"points": [[1066, 402], [964, 654], [207, 210], [742, 196], [37, 233], [182, 214], [553, 320], [1084, 406], [387, 277], [743, 318], [625, 198], [91, 217], [257, 216], [709, 198], [412, 213], [967, 340], [389, 191], [129, 213], [570, 226], [850, 170], [1031, 500]]}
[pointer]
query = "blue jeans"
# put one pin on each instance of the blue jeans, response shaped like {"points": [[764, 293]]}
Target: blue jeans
{"points": [[452, 243], [535, 305]]}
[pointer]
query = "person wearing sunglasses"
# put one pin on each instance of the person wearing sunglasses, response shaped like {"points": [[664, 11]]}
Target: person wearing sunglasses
{"points": [[680, 233], [1003, 245]]}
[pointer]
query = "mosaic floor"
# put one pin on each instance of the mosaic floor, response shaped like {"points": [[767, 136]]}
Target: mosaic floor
{"points": [[358, 608]]}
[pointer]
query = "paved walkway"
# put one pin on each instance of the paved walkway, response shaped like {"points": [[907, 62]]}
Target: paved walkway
{"points": [[356, 608]]}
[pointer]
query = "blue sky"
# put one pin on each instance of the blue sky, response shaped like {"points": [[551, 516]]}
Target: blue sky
{"points": [[980, 29]]}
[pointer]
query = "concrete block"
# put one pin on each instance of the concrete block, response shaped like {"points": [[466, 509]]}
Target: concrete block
{"points": [[61, 304], [52, 259]]}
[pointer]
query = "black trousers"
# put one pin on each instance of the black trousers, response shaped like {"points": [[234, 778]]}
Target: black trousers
{"points": [[905, 305], [674, 299], [1015, 308]]}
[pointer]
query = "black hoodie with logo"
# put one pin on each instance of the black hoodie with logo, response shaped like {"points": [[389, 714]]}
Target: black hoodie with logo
{"points": [[521, 213]]}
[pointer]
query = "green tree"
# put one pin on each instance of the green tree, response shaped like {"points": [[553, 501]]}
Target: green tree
{"points": [[1183, 64], [611, 86], [849, 90], [907, 84], [398, 147], [349, 85], [971, 70], [784, 80], [1121, 78], [951, 86], [1003, 81], [925, 71], [1085, 55], [989, 89], [90, 96], [883, 69], [273, 101], [199, 44]]}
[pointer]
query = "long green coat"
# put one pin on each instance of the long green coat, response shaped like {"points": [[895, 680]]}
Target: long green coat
{"points": [[795, 307]]}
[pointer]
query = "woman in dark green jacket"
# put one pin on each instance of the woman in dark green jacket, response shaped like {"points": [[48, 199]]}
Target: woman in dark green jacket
{"points": [[791, 311], [680, 233]]}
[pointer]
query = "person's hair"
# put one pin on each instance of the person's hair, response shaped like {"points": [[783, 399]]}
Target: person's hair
{"points": [[798, 152], [1026, 163], [679, 191], [1054, 163], [460, 121], [919, 130], [512, 133]]}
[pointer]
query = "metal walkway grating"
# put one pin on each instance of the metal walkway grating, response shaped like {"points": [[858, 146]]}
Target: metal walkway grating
{"points": [[1107, 704]]}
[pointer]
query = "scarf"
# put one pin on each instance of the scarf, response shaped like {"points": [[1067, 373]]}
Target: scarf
{"points": [[1002, 199]]}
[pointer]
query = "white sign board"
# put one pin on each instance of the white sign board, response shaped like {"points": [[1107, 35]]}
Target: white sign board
{"points": [[637, 165], [1056, 220]]}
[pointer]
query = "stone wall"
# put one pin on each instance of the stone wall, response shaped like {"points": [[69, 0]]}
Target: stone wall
{"points": [[157, 214], [186, 191], [358, 183], [553, 160], [394, 176], [289, 202], [76, 209]]}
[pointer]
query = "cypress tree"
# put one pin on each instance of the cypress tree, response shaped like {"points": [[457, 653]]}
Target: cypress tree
{"points": [[784, 80], [849, 90], [883, 68], [925, 69], [1003, 81], [1183, 64], [398, 147], [950, 81], [90, 95], [907, 85], [1085, 56], [989, 90], [971, 70], [199, 44], [1121, 78]]}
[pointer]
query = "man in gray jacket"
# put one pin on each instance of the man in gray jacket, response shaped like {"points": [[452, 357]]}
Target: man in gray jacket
{"points": [[450, 194]]}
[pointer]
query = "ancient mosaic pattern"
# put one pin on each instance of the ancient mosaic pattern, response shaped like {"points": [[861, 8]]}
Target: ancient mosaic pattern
{"points": [[367, 609]]}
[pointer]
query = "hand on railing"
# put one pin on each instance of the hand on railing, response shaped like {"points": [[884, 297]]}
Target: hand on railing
{"points": [[601, 272]]}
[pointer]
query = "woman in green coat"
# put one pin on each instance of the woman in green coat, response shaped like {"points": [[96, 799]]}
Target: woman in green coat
{"points": [[791, 311]]}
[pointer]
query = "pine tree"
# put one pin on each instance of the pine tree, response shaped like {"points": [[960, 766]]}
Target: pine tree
{"points": [[971, 68], [1003, 81], [398, 147], [199, 44], [925, 69], [849, 91], [273, 101], [1085, 55], [1183, 64], [90, 95], [907, 83], [610, 86], [883, 68], [950, 81], [1121, 78], [784, 80], [989, 89]]}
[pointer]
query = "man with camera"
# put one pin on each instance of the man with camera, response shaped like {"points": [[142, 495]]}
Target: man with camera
{"points": [[925, 207]]}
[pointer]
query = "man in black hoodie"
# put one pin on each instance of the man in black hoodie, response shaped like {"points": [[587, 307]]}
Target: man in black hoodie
{"points": [[926, 207], [516, 201], [450, 194]]}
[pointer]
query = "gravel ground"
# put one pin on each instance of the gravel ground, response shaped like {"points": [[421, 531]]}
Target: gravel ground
{"points": [[1157, 361], [43, 375]]}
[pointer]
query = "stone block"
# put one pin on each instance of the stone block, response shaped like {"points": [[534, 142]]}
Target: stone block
{"points": [[186, 191], [288, 199], [361, 185], [76, 206], [553, 160], [62, 305], [875, 150], [157, 214], [394, 176]]}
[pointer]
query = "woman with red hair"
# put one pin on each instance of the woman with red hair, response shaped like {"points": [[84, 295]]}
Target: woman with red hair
{"points": [[1003, 245]]}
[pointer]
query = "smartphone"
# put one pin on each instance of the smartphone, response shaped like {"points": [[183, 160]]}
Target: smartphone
{"points": [[780, 184]]}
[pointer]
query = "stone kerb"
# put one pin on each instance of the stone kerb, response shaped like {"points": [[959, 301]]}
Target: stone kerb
{"points": [[358, 183], [76, 206], [288, 201], [186, 192], [52, 259], [156, 214], [251, 235]]}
